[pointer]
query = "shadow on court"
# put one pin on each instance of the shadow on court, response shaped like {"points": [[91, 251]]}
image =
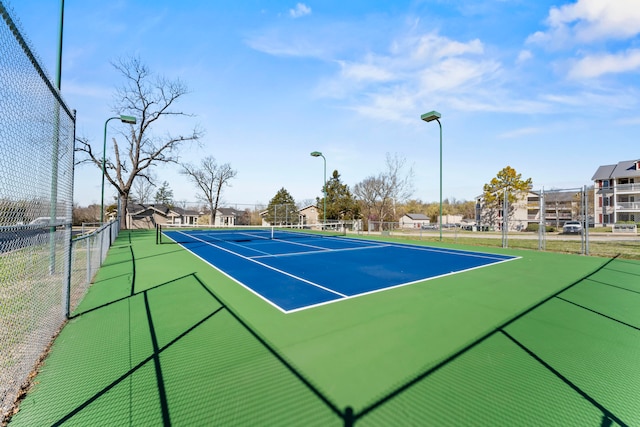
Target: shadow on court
{"points": [[174, 353]]}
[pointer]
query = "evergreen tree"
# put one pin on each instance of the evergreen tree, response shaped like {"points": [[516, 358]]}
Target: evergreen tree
{"points": [[164, 195], [340, 201], [282, 209]]}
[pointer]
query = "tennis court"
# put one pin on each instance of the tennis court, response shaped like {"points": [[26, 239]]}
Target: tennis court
{"points": [[162, 338], [295, 271]]}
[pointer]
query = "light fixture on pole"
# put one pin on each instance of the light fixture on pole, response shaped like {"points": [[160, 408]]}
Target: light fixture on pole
{"points": [[324, 186], [124, 119], [428, 117]]}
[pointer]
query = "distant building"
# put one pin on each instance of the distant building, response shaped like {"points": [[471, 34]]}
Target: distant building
{"points": [[148, 216], [309, 215], [226, 217], [553, 207], [617, 193], [518, 216], [413, 220]]}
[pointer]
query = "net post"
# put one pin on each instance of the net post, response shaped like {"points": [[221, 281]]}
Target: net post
{"points": [[348, 417]]}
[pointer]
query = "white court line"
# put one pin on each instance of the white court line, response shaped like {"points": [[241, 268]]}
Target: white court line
{"points": [[268, 266], [439, 250], [318, 252], [372, 245], [375, 291], [375, 244], [231, 242], [301, 244]]}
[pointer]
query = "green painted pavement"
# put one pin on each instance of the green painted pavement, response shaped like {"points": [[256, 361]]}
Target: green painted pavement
{"points": [[156, 340]]}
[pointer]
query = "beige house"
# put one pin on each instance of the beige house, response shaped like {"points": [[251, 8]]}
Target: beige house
{"points": [[310, 215], [558, 207], [494, 219], [226, 217], [554, 208], [413, 220], [307, 215], [148, 216]]}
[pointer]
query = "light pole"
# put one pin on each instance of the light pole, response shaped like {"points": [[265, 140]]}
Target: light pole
{"points": [[324, 186], [428, 117], [124, 119]]}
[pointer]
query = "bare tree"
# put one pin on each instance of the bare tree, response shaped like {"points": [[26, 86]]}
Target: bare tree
{"points": [[367, 193], [210, 179], [399, 185], [149, 98], [379, 195], [143, 188]]}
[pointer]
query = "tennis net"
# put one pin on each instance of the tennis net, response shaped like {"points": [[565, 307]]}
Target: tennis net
{"points": [[177, 233]]}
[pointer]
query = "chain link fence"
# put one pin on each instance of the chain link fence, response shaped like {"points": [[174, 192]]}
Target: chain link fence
{"points": [[43, 274], [535, 215], [88, 252]]}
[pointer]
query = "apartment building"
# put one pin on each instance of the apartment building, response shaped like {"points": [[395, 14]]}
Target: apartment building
{"points": [[617, 193]]}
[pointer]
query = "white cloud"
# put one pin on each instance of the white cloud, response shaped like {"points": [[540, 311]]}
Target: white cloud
{"points": [[365, 72], [429, 47], [275, 42], [621, 99], [586, 21], [596, 65], [394, 105], [457, 73], [524, 56], [414, 69], [300, 10]]}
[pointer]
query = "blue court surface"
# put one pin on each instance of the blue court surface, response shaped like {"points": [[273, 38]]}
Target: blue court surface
{"points": [[306, 272]]}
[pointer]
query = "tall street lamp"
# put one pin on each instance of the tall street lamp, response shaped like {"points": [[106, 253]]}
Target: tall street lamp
{"points": [[124, 119], [428, 117], [324, 186]]}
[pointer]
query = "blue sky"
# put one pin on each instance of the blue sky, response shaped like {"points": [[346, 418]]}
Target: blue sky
{"points": [[550, 88]]}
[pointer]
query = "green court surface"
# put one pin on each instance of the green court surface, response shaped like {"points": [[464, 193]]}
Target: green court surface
{"points": [[162, 338]]}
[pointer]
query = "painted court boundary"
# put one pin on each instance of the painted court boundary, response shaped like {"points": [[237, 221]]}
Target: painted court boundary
{"points": [[492, 259]]}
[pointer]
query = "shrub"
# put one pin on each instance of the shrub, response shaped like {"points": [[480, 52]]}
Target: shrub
{"points": [[535, 227]]}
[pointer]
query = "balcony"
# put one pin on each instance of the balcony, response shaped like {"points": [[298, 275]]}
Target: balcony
{"points": [[627, 206], [628, 188]]}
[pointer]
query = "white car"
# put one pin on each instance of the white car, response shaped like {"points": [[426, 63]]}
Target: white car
{"points": [[571, 227]]}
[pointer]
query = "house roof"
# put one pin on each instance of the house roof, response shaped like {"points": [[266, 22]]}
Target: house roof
{"points": [[266, 211], [309, 207], [417, 216], [137, 209], [623, 169], [558, 196], [181, 211], [229, 211]]}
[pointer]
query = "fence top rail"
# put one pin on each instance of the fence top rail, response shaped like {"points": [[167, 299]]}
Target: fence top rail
{"points": [[96, 231], [558, 190]]}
